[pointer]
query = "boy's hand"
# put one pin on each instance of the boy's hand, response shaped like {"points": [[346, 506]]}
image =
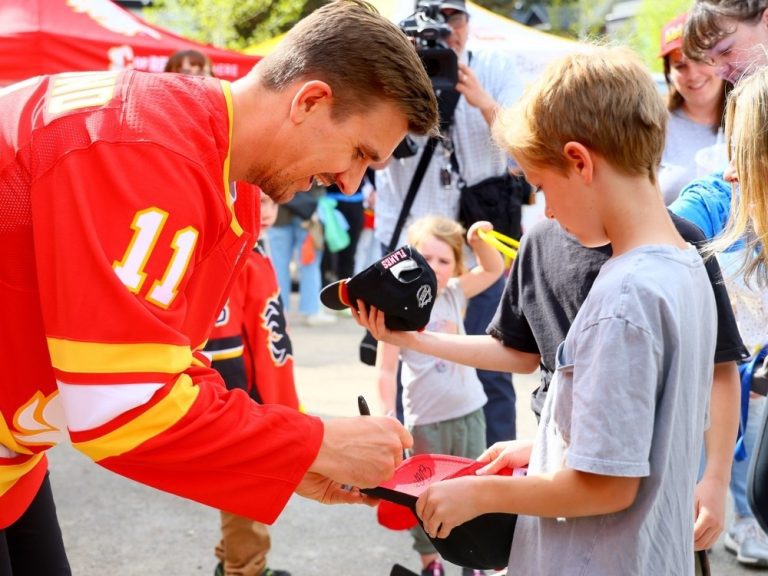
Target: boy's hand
{"points": [[511, 454], [709, 512], [447, 504], [372, 319]]}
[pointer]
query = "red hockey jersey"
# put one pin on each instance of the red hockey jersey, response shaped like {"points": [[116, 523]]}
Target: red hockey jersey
{"points": [[250, 336], [119, 241]]}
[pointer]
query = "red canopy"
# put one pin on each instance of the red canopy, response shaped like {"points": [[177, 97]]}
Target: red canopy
{"points": [[48, 36]]}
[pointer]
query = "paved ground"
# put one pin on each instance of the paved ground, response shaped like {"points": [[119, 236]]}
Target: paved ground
{"points": [[116, 527]]}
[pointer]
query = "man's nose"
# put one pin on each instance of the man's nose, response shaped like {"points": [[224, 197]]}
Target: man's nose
{"points": [[349, 181]]}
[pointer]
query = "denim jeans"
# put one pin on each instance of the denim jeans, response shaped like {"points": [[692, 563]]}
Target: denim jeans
{"points": [[738, 483], [284, 245]]}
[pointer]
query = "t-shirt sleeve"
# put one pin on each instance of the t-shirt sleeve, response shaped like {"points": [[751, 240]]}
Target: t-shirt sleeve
{"points": [[510, 325], [705, 202], [729, 347]]}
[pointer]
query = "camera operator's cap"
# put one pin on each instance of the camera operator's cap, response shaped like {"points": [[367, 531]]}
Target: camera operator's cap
{"points": [[482, 543], [672, 35], [401, 284], [459, 5]]}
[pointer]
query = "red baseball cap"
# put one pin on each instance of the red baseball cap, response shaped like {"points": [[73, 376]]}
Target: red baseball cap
{"points": [[672, 35], [483, 542]]}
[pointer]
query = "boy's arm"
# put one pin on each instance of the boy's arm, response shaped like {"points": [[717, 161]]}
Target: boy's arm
{"points": [[478, 351], [449, 503], [490, 264], [719, 440]]}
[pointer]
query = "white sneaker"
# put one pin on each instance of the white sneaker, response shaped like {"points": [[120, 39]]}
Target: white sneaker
{"points": [[748, 542], [319, 319]]}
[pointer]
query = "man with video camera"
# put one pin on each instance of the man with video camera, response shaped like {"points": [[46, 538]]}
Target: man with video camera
{"points": [[486, 80]]}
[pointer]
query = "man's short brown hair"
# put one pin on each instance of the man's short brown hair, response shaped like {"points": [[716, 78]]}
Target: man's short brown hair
{"points": [[603, 98], [362, 56]]}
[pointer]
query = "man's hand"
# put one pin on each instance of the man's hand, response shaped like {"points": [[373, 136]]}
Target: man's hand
{"points": [[326, 491], [474, 93], [362, 451]]}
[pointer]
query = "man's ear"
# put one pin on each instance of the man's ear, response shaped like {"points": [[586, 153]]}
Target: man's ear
{"points": [[580, 160], [308, 98]]}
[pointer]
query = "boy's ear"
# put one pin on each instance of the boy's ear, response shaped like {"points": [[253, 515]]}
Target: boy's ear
{"points": [[308, 98], [579, 158]]}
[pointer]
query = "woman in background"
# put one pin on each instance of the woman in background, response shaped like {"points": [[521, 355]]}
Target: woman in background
{"points": [[696, 101], [191, 62]]}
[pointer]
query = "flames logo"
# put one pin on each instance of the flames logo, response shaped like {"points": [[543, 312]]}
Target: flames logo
{"points": [[273, 321]]}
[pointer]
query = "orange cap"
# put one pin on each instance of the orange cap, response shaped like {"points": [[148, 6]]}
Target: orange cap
{"points": [[672, 35]]}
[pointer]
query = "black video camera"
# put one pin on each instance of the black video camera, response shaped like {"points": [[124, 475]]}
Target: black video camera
{"points": [[429, 30]]}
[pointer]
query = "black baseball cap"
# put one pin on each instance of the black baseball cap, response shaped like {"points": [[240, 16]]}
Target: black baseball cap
{"points": [[453, 5], [482, 543], [401, 284]]}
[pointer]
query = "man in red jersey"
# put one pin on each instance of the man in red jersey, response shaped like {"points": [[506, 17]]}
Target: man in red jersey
{"points": [[119, 242]]}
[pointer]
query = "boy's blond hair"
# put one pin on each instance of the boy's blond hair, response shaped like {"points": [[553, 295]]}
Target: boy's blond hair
{"points": [[604, 99], [445, 230]]}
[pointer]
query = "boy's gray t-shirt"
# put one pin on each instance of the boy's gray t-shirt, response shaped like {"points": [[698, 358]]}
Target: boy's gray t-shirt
{"points": [[629, 398]]}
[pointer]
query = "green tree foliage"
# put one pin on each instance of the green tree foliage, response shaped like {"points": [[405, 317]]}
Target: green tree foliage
{"points": [[240, 24], [230, 24], [649, 20]]}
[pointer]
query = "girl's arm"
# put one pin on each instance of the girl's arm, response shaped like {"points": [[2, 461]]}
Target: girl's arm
{"points": [[386, 366], [490, 264]]}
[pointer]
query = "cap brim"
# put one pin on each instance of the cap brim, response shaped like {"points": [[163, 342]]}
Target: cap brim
{"points": [[482, 542], [417, 473], [335, 296]]}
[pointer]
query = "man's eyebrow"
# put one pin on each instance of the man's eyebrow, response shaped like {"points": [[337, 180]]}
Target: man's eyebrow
{"points": [[370, 152]]}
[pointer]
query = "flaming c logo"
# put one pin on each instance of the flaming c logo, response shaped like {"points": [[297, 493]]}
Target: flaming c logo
{"points": [[273, 321]]}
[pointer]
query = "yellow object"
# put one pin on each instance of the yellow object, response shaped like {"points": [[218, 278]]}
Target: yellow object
{"points": [[503, 243]]}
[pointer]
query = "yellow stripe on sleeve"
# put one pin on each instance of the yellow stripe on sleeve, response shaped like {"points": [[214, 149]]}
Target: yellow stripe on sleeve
{"points": [[234, 224], [227, 354], [97, 358], [8, 440], [151, 423], [10, 474]]}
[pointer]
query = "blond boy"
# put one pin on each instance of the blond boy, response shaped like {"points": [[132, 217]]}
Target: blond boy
{"points": [[613, 467]]}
